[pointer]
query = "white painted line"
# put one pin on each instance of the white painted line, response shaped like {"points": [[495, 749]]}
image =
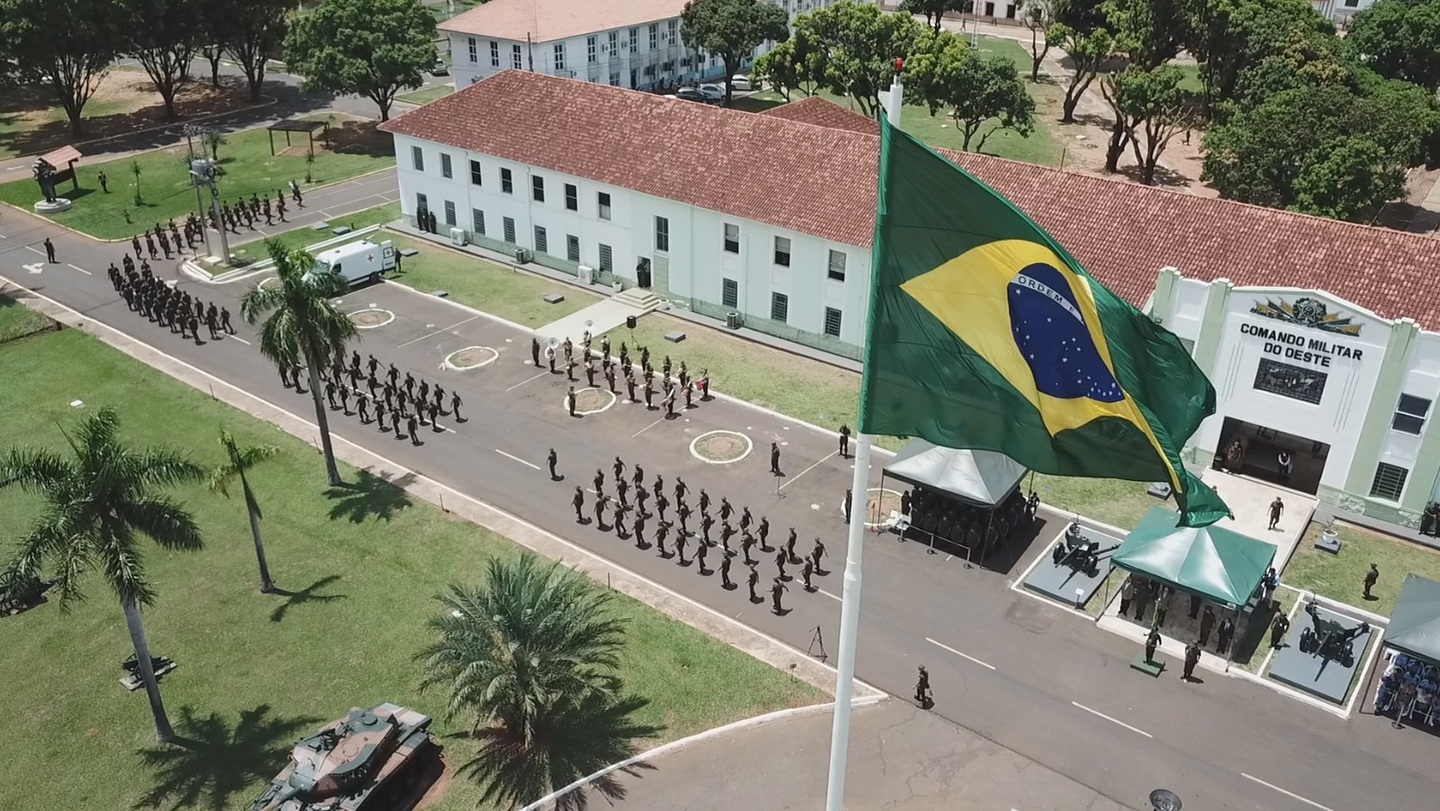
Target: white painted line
{"points": [[438, 331], [35, 249], [831, 596], [1113, 720], [646, 428], [1292, 795], [238, 338], [516, 459], [943, 646], [82, 270], [822, 461], [527, 380]]}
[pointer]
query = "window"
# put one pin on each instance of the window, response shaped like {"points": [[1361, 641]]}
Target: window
{"points": [[515, 61], [1351, 3], [673, 27], [591, 55], [572, 248], [614, 48], [1189, 346], [662, 234], [837, 266], [1410, 414], [572, 197], [542, 241], [604, 205], [559, 56], [446, 170], [474, 50], [607, 263], [494, 54], [634, 40], [507, 181], [449, 213], [477, 221], [417, 158], [509, 223], [782, 251], [1306, 385], [732, 238], [729, 293], [832, 322], [422, 203], [779, 307], [537, 188], [614, 80], [654, 36], [475, 177], [1389, 482]]}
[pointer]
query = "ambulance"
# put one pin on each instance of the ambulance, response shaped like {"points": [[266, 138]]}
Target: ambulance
{"points": [[358, 261]]}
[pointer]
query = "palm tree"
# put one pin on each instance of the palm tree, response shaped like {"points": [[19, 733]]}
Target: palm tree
{"points": [[97, 506], [302, 326], [532, 655], [238, 462]]}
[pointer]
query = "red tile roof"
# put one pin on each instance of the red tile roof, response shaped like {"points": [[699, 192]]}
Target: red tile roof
{"points": [[808, 170], [549, 20], [824, 113]]}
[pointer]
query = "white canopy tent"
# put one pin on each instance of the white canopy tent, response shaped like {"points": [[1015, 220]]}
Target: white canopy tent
{"points": [[982, 478]]}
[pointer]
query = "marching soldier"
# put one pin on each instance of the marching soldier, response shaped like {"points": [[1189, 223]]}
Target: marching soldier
{"points": [[725, 571], [661, 503], [817, 553], [639, 528], [551, 459], [780, 561], [600, 500], [363, 406], [660, 533], [683, 511], [410, 385], [439, 397], [371, 365], [380, 415], [704, 501], [640, 495], [621, 486], [700, 553], [424, 389], [619, 469], [679, 547], [805, 574], [617, 518], [330, 392], [790, 547], [344, 398], [455, 405], [394, 375], [410, 426], [225, 321], [434, 409], [777, 589], [747, 542], [706, 522], [599, 481], [764, 532], [395, 423], [750, 581], [745, 519], [725, 509], [195, 329]]}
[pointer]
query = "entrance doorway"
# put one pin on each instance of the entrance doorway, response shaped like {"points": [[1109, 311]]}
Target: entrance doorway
{"points": [[1259, 455]]}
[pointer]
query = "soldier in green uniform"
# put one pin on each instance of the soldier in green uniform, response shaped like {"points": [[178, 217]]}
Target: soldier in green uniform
{"points": [[660, 533], [706, 522], [725, 571], [753, 579], [805, 574], [817, 553], [780, 561], [700, 551], [639, 529], [680, 548], [661, 503], [579, 502], [599, 480], [551, 459], [776, 589]]}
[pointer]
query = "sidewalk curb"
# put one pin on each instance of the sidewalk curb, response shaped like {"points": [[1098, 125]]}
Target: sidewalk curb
{"points": [[742, 725], [680, 607]]}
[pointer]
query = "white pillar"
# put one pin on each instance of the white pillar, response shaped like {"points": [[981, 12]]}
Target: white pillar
{"points": [[894, 100], [849, 627]]}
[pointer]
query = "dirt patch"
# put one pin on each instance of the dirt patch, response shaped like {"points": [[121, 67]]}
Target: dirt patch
{"points": [[32, 122], [880, 503], [471, 357], [722, 446], [353, 136], [371, 318], [592, 399]]}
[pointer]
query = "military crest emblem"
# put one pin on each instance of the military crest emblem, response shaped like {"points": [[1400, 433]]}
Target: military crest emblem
{"points": [[1307, 312]]}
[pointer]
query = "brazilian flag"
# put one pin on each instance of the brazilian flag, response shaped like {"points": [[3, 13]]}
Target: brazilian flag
{"points": [[984, 333]]}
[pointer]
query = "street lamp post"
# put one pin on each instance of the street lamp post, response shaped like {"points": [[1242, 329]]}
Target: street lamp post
{"points": [[193, 131]]}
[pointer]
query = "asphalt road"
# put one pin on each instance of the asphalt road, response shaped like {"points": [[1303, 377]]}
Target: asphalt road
{"points": [[1040, 681]]}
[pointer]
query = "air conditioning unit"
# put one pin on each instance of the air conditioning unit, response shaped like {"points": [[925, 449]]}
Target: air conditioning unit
{"points": [[457, 237], [733, 320], [586, 274], [523, 255]]}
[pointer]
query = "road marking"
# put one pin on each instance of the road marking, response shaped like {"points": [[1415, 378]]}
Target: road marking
{"points": [[943, 646], [438, 331], [822, 461], [646, 428], [238, 338], [1292, 795], [82, 270], [35, 267], [1115, 721], [831, 596], [516, 458], [35, 249], [527, 380]]}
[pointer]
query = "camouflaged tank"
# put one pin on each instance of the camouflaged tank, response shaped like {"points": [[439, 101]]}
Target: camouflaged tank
{"points": [[370, 759]]}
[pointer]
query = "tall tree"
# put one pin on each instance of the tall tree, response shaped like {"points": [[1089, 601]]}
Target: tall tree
{"points": [[237, 465], [732, 30], [257, 31], [1038, 16], [1229, 36], [215, 33], [1399, 39], [164, 36], [302, 326], [784, 67], [1151, 109], [855, 48], [100, 500], [1088, 54], [1148, 32], [373, 48], [531, 657], [64, 45], [984, 94], [934, 11]]}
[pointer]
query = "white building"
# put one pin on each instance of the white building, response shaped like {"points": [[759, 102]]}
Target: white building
{"points": [[624, 43], [1341, 12], [1322, 338]]}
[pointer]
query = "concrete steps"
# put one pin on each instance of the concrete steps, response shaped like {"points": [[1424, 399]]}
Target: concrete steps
{"points": [[642, 300]]}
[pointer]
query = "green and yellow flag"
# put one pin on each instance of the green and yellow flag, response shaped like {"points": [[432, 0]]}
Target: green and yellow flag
{"points": [[984, 333]]}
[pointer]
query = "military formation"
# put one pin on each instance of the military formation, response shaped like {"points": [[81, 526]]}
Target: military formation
{"points": [[249, 212], [627, 502], [166, 305], [675, 381], [394, 401]]}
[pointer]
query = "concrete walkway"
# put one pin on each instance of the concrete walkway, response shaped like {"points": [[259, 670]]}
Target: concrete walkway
{"points": [[900, 757], [1250, 500]]}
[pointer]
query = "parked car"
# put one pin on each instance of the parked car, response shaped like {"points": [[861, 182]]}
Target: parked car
{"points": [[714, 92], [439, 68], [693, 94], [740, 82]]}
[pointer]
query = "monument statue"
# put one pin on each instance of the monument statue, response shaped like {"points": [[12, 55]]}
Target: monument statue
{"points": [[45, 176]]}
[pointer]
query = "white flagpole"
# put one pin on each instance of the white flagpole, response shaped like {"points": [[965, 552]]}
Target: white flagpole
{"points": [[849, 627]]}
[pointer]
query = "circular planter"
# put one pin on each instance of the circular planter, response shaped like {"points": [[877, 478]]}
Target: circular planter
{"points": [[471, 357], [371, 318], [721, 447]]}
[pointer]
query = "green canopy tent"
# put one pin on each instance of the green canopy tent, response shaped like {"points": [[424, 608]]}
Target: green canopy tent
{"points": [[1415, 623], [1213, 562]]}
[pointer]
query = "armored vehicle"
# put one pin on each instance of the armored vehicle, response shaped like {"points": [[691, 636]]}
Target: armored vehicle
{"points": [[367, 761]]}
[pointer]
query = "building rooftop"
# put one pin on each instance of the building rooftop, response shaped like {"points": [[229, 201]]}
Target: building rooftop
{"points": [[807, 169], [550, 20]]}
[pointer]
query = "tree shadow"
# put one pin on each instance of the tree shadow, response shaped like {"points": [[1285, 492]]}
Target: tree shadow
{"points": [[369, 496], [212, 761], [360, 138], [309, 594], [1165, 177]]}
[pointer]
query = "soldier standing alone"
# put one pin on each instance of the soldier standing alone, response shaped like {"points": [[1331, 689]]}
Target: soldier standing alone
{"points": [[551, 460]]}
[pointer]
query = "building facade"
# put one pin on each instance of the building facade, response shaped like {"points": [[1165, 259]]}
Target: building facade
{"points": [[1341, 12], [1347, 394], [623, 43]]}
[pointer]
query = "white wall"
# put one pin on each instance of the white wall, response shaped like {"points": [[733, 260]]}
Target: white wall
{"points": [[698, 263]]}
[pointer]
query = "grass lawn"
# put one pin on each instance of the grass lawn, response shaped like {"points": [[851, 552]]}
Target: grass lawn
{"points": [[256, 672], [303, 237], [1342, 577], [497, 290], [1115, 502], [165, 188], [427, 95], [17, 321]]}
